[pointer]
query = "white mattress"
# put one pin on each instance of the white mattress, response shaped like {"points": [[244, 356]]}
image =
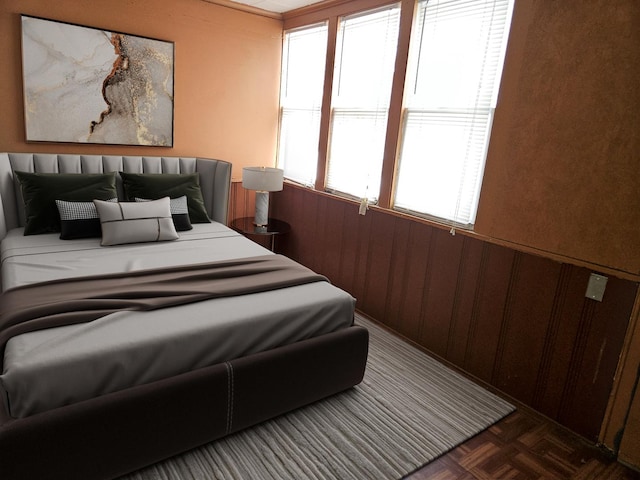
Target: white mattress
{"points": [[59, 366]]}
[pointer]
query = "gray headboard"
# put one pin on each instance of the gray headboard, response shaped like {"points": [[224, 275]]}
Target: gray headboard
{"points": [[215, 177]]}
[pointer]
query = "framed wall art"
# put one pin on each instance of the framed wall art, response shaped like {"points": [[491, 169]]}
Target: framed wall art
{"points": [[85, 85]]}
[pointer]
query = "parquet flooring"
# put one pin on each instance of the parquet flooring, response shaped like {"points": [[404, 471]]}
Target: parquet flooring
{"points": [[525, 445]]}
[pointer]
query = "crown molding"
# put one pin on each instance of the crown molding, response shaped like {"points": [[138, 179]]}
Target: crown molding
{"points": [[245, 8]]}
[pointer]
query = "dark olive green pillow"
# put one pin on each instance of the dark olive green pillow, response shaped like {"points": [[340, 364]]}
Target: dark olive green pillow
{"points": [[173, 185], [41, 190]]}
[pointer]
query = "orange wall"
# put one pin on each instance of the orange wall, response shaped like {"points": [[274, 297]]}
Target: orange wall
{"points": [[227, 67], [563, 170]]}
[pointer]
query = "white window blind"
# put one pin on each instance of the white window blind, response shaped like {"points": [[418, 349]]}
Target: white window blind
{"points": [[363, 75], [301, 90], [455, 64]]}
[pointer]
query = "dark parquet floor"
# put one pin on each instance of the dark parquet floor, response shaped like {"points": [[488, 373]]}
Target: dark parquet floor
{"points": [[525, 445]]}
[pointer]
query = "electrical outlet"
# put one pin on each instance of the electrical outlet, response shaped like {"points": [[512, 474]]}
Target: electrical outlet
{"points": [[596, 286]]}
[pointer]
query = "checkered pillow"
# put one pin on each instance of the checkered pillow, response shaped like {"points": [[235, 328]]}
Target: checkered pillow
{"points": [[79, 219]]}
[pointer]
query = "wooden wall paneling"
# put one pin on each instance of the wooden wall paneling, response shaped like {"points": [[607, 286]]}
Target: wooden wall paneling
{"points": [[349, 248], [322, 235], [515, 320], [401, 256], [332, 231], [444, 261], [561, 336], [233, 199], [379, 262], [464, 303], [595, 358], [309, 247], [242, 202], [360, 285], [630, 442], [527, 315], [490, 304], [281, 207], [417, 255]]}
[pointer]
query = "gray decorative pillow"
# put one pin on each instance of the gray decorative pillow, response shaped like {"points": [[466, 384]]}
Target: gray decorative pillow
{"points": [[79, 219], [131, 222], [179, 212]]}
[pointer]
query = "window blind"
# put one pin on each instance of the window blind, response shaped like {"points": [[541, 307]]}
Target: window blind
{"points": [[455, 63], [364, 65], [301, 90]]}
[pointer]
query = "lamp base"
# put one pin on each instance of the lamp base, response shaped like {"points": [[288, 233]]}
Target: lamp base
{"points": [[262, 209]]}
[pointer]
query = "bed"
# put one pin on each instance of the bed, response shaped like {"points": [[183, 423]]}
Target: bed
{"points": [[96, 395]]}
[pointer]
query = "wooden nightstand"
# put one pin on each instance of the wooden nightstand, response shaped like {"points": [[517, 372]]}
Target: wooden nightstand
{"points": [[275, 228]]}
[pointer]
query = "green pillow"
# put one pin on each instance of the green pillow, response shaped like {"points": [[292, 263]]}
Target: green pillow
{"points": [[173, 185], [41, 190]]}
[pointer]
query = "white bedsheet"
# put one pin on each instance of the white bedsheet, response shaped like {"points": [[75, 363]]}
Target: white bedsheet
{"points": [[55, 367]]}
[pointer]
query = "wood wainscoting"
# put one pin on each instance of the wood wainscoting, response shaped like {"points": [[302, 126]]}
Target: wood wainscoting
{"points": [[515, 320]]}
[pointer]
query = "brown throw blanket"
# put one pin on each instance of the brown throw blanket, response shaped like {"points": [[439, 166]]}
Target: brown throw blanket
{"points": [[77, 300]]}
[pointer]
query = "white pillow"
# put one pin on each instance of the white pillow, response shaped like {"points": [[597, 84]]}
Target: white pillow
{"points": [[131, 222]]}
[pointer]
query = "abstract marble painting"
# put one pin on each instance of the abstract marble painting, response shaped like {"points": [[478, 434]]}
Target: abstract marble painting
{"points": [[85, 85]]}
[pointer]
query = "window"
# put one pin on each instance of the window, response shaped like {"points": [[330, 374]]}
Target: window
{"points": [[455, 63], [363, 74], [301, 89], [440, 130]]}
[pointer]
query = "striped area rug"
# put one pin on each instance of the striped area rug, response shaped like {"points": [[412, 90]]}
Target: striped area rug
{"points": [[409, 410]]}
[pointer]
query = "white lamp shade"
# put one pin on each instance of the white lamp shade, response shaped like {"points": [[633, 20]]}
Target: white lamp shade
{"points": [[262, 179]]}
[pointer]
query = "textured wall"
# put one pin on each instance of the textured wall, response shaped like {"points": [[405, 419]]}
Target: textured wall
{"points": [[563, 168]]}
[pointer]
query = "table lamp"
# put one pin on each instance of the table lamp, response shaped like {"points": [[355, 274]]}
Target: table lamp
{"points": [[263, 180]]}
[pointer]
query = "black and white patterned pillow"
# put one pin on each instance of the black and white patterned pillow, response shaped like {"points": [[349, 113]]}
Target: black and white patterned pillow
{"points": [[179, 212], [79, 219]]}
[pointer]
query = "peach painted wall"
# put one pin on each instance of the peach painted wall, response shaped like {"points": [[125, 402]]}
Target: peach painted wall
{"points": [[227, 68], [563, 170]]}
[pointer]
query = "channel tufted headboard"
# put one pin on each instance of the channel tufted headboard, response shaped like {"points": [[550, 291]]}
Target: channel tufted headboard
{"points": [[215, 177]]}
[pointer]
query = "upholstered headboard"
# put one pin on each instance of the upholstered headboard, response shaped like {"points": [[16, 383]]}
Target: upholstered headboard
{"points": [[215, 177]]}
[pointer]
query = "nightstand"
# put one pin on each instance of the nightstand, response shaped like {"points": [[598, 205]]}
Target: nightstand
{"points": [[275, 227]]}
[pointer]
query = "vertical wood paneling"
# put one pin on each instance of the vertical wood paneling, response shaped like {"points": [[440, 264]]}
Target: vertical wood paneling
{"points": [[490, 306], [322, 219], [333, 231], [349, 248], [242, 202], [281, 207], [596, 358], [464, 304], [440, 291], [310, 248], [417, 255], [560, 338], [397, 276], [379, 263], [518, 321], [363, 234], [530, 306]]}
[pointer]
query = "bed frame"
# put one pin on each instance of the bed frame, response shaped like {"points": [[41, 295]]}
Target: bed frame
{"points": [[118, 433]]}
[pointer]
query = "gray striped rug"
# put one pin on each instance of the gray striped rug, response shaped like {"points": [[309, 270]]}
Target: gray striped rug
{"points": [[409, 410]]}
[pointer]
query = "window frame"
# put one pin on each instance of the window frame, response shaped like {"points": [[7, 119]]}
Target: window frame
{"points": [[340, 112], [396, 114], [282, 108]]}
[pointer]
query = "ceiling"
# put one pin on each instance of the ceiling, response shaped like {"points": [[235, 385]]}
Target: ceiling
{"points": [[277, 6]]}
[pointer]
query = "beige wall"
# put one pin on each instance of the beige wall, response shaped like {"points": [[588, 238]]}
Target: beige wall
{"points": [[227, 67], [563, 170]]}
